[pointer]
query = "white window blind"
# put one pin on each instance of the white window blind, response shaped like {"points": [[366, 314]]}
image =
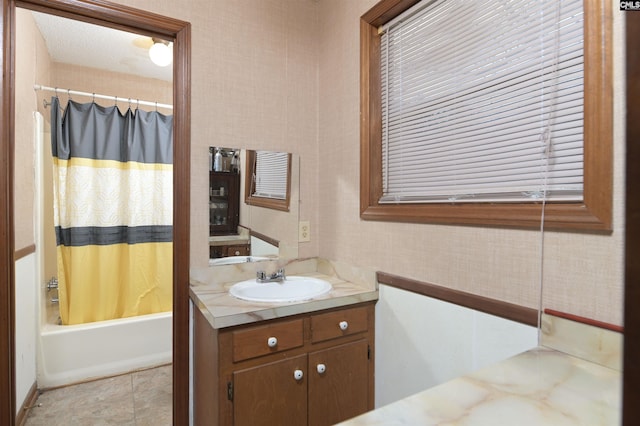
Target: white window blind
{"points": [[271, 174], [483, 101]]}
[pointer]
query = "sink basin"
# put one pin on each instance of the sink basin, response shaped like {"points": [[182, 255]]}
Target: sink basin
{"points": [[231, 260], [293, 289]]}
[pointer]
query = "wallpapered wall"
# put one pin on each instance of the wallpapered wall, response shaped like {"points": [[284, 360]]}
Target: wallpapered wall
{"points": [[284, 75], [582, 273]]}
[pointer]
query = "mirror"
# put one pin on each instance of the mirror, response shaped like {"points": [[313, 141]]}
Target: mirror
{"points": [[246, 226]]}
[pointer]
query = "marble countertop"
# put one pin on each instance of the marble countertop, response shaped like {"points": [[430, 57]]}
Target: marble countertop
{"points": [[542, 386], [242, 237], [575, 382], [209, 290], [225, 240]]}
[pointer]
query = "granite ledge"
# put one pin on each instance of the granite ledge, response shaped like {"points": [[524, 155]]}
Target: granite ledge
{"points": [[541, 386], [209, 290], [242, 237], [227, 240]]}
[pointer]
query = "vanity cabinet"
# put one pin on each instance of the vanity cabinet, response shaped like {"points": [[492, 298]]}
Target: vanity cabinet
{"points": [[311, 369], [270, 395], [229, 250], [224, 203]]}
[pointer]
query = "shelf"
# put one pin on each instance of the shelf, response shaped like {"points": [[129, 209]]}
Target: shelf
{"points": [[224, 209]]}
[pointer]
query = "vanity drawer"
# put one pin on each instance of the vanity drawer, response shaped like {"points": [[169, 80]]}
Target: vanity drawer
{"points": [[267, 339], [339, 323], [237, 250]]}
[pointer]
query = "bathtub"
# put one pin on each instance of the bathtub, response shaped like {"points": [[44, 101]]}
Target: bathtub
{"points": [[75, 353]]}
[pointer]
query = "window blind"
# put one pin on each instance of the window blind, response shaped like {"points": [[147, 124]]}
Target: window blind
{"points": [[271, 174], [483, 101]]}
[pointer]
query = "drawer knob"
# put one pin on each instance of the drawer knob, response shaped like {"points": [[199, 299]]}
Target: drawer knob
{"points": [[321, 368], [237, 252], [298, 374], [343, 325], [272, 342]]}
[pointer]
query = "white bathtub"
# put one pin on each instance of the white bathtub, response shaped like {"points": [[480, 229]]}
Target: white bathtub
{"points": [[75, 353]]}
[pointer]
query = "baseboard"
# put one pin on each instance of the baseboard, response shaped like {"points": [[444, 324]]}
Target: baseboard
{"points": [[27, 404]]}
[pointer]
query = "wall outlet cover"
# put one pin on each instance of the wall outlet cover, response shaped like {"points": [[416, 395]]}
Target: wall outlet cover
{"points": [[304, 231]]}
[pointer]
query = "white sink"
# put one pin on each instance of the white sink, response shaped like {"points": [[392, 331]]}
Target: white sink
{"points": [[232, 260], [292, 289]]}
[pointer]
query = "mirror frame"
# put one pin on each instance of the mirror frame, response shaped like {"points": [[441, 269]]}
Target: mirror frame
{"points": [[125, 18]]}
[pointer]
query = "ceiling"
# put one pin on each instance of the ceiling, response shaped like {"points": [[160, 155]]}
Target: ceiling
{"points": [[89, 45]]}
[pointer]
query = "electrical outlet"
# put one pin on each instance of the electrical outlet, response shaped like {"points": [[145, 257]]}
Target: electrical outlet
{"points": [[304, 231]]}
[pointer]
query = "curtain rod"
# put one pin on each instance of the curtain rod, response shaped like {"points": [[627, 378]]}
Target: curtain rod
{"points": [[95, 95]]}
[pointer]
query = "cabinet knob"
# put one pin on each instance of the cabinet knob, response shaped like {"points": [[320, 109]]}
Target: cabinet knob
{"points": [[237, 252], [272, 342], [298, 374], [321, 368], [343, 325]]}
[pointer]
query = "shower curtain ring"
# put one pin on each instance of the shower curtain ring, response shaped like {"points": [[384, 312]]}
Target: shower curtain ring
{"points": [[55, 90], [93, 97], [69, 94], [116, 101]]}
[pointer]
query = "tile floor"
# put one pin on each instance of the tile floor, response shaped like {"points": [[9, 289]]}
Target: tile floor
{"points": [[135, 399]]}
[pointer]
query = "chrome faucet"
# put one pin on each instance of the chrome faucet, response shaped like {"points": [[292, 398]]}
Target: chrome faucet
{"points": [[279, 276]]}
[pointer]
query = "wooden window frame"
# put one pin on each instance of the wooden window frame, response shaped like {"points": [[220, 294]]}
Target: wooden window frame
{"points": [[268, 203], [594, 213]]}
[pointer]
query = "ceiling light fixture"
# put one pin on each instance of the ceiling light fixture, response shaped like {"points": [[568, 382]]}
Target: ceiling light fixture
{"points": [[161, 53]]}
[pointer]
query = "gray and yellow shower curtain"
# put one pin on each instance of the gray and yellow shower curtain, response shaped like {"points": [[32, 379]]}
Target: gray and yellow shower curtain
{"points": [[113, 209]]}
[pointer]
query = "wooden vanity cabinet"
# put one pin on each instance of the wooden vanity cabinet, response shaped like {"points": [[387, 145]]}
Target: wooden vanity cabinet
{"points": [[216, 252], [319, 370], [341, 391], [270, 395]]}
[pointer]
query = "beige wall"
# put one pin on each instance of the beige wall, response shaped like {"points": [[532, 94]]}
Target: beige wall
{"points": [[33, 63], [92, 80], [284, 75], [254, 84], [582, 273]]}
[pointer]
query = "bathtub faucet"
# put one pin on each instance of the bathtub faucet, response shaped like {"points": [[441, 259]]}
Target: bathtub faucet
{"points": [[52, 284], [278, 276]]}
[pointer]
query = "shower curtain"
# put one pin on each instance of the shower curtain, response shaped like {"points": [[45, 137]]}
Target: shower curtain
{"points": [[113, 201]]}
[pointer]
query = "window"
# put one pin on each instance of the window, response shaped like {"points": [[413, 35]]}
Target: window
{"points": [[403, 119], [268, 179]]}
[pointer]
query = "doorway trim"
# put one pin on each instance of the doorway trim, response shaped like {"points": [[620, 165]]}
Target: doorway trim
{"points": [[125, 18], [631, 368]]}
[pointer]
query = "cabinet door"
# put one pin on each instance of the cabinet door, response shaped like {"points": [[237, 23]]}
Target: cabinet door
{"points": [[216, 252], [338, 383], [270, 394], [224, 198]]}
